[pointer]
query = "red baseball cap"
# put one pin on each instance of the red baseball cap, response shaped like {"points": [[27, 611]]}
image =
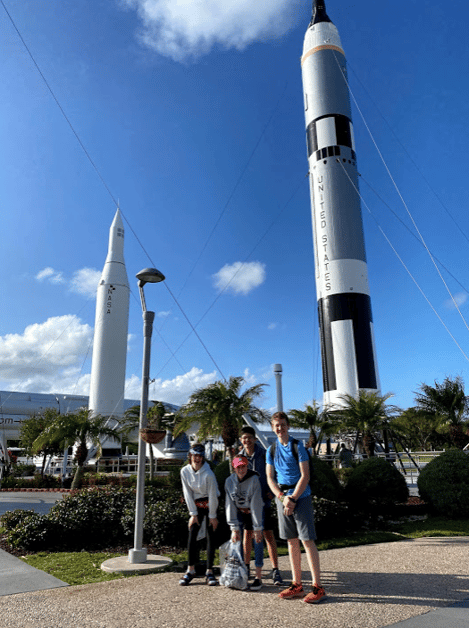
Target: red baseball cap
{"points": [[240, 461]]}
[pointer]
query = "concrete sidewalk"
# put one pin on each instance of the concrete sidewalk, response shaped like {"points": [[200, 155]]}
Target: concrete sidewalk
{"points": [[407, 584], [16, 576]]}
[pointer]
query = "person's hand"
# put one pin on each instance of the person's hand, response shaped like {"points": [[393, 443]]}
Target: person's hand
{"points": [[214, 523], [288, 506], [193, 520], [258, 534], [235, 536]]}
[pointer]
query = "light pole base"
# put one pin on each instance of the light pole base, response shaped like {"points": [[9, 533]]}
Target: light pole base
{"points": [[137, 556]]}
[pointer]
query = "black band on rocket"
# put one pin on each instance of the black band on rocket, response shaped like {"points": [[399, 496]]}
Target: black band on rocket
{"points": [[320, 132], [357, 309]]}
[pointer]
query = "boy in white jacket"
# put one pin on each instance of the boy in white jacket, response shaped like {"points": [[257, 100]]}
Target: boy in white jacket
{"points": [[200, 490]]}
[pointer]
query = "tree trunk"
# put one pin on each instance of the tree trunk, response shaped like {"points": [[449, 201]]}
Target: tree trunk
{"points": [[369, 443], [78, 477]]}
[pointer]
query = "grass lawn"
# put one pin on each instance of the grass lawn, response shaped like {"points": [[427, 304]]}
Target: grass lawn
{"points": [[73, 567], [85, 567]]}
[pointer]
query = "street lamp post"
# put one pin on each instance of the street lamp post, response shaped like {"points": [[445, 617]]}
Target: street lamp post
{"points": [[149, 275]]}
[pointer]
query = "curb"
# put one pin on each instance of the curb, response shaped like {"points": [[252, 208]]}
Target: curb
{"points": [[35, 490]]}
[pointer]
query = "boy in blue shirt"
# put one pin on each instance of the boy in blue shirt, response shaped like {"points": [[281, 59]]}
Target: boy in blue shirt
{"points": [[288, 479]]}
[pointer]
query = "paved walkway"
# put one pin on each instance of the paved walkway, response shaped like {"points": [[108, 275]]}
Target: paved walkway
{"points": [[421, 583]]}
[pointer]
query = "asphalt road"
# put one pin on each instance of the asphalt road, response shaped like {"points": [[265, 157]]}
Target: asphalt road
{"points": [[39, 502]]}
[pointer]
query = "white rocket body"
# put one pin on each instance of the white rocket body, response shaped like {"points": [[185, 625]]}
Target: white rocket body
{"points": [[344, 306], [110, 330]]}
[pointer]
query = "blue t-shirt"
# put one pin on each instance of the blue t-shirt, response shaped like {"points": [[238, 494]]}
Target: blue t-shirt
{"points": [[286, 465]]}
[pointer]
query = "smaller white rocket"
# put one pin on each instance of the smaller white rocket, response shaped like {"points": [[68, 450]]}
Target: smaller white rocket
{"points": [[110, 330]]}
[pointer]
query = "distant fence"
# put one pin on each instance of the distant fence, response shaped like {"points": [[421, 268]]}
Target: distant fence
{"points": [[409, 464]]}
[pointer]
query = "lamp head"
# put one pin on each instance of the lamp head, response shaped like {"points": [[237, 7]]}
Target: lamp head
{"points": [[149, 275]]}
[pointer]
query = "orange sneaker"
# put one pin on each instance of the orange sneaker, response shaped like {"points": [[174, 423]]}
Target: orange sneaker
{"points": [[317, 594], [293, 591]]}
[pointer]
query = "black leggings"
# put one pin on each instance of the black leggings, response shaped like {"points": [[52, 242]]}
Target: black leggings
{"points": [[192, 543]]}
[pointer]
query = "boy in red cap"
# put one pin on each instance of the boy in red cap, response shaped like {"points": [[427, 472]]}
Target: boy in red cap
{"points": [[244, 507]]}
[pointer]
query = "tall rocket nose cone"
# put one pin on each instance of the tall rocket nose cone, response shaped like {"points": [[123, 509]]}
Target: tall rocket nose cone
{"points": [[116, 239], [319, 12]]}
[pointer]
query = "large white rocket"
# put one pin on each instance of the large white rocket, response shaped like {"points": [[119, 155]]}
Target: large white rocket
{"points": [[344, 307], [110, 330]]}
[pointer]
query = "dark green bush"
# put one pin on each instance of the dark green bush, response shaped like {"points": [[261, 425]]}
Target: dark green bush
{"points": [[48, 481], [444, 484], [100, 517], [22, 470], [331, 518], [324, 482], [14, 517], [375, 484], [222, 473], [34, 532]]}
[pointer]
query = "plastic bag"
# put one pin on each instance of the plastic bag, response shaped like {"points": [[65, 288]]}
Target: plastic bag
{"points": [[235, 573], [223, 551]]}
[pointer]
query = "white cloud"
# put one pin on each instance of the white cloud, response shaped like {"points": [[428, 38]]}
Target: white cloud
{"points": [[249, 378], [176, 390], [164, 314], [271, 326], [47, 356], [240, 278], [51, 275], [460, 298], [187, 29], [85, 281]]}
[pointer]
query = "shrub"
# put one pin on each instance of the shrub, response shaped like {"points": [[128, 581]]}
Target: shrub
{"points": [[22, 470], [48, 481], [12, 518], [331, 518], [89, 518], [444, 484], [33, 532], [99, 517], [324, 482], [222, 473], [376, 484]]}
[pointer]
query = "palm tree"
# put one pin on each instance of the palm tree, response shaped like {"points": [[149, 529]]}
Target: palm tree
{"points": [[158, 416], [417, 428], [32, 428], [315, 420], [80, 428], [448, 402], [367, 415], [219, 408]]}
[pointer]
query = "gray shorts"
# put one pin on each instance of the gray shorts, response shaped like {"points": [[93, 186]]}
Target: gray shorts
{"points": [[299, 525]]}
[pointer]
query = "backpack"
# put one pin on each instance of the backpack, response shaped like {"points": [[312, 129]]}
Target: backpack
{"points": [[295, 442]]}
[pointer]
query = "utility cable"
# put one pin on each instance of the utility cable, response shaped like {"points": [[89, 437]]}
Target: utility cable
{"points": [[56, 100], [430, 187], [239, 269], [402, 262], [396, 187]]}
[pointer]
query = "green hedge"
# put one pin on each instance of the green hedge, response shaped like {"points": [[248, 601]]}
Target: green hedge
{"points": [[375, 484], [99, 518], [324, 482], [444, 484]]}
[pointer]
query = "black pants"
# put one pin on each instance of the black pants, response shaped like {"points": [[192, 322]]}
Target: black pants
{"points": [[192, 543]]}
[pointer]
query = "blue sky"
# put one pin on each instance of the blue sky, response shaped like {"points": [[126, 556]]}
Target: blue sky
{"points": [[192, 112]]}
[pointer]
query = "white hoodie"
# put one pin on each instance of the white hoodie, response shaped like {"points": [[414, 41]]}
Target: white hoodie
{"points": [[199, 484]]}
